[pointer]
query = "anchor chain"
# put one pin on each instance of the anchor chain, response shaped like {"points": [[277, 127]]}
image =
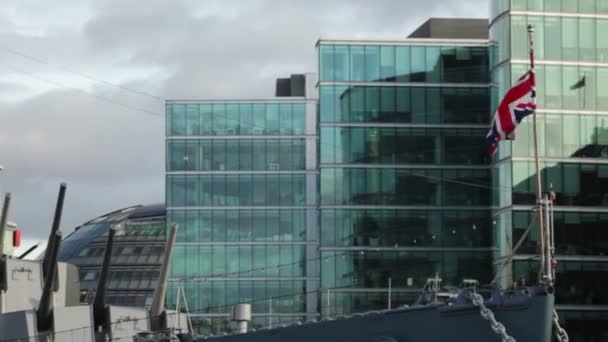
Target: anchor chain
{"points": [[561, 334], [488, 315]]}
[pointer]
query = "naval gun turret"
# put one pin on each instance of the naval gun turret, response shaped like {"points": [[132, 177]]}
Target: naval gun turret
{"points": [[34, 293], [115, 322], [39, 300]]}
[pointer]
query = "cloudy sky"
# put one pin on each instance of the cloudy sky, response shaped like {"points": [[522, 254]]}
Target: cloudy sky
{"points": [[82, 83]]}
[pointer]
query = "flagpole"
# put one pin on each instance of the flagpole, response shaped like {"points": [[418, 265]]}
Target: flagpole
{"points": [[541, 227]]}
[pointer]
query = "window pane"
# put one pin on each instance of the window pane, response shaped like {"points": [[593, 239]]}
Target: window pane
{"points": [[553, 94], [418, 105], [553, 135], [418, 64], [587, 39], [602, 44], [219, 154], [342, 65], [570, 38], [387, 63], [232, 154], [372, 104], [387, 105], [402, 63], [206, 119], [245, 154], [259, 119], [326, 62], [552, 29], [299, 118], [232, 119], [178, 120], [328, 146], [326, 104], [219, 119], [246, 119], [602, 88], [433, 67], [286, 118], [192, 120], [372, 63], [570, 97], [259, 151], [357, 63], [272, 119]]}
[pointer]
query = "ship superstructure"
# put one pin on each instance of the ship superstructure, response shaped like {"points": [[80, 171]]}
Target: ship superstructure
{"points": [[39, 300]]}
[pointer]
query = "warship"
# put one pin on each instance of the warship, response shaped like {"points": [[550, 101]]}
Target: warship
{"points": [[40, 300]]}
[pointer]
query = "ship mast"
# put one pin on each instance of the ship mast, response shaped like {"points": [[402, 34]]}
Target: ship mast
{"points": [[543, 277]]}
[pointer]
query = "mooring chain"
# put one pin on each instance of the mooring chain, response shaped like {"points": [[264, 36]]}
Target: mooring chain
{"points": [[487, 314], [560, 332]]}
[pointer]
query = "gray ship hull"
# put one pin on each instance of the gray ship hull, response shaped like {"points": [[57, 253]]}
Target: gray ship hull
{"points": [[526, 318]]}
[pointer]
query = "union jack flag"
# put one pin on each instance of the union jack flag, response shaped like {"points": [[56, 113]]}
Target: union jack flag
{"points": [[516, 105]]}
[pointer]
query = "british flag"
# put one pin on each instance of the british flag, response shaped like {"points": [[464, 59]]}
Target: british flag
{"points": [[516, 105]]}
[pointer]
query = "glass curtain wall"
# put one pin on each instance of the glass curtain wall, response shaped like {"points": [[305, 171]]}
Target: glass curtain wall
{"points": [[236, 184], [572, 85], [405, 183]]}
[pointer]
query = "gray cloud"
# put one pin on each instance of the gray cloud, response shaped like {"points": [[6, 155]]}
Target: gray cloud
{"points": [[113, 156]]}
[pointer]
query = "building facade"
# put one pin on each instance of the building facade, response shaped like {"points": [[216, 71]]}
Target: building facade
{"points": [[572, 94], [139, 246], [405, 182], [242, 185]]}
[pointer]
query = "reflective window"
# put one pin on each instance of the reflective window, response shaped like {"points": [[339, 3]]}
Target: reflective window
{"points": [[367, 186], [221, 261], [234, 190], [575, 233], [403, 145], [360, 63], [233, 154], [558, 87], [579, 40], [371, 269], [237, 225], [389, 228], [404, 104], [203, 119], [564, 135], [219, 296], [574, 184], [177, 119]]}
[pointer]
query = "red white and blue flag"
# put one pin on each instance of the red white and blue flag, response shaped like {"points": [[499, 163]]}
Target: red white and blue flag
{"points": [[518, 103]]}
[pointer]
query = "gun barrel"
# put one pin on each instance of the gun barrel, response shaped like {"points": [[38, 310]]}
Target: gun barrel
{"points": [[44, 313], [56, 222], [3, 219], [99, 302], [158, 303]]}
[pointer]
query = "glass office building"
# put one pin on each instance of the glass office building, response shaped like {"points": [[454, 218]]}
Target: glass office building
{"points": [[241, 183], [405, 180], [572, 92]]}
